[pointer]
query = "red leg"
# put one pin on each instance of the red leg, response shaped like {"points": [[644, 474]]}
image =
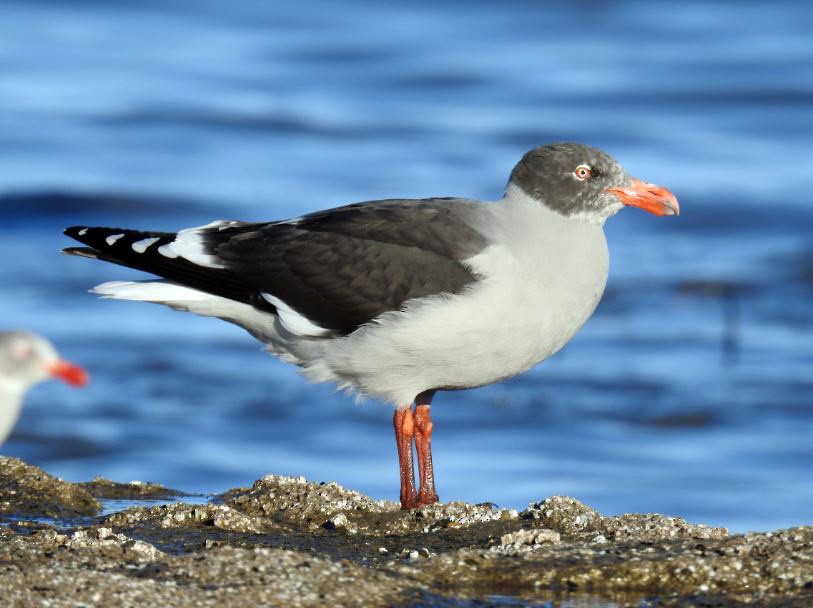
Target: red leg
{"points": [[404, 423], [423, 437]]}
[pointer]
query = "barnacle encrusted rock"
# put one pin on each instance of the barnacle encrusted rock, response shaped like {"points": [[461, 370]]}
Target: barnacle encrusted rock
{"points": [[101, 539], [28, 491], [576, 521], [524, 540], [134, 490], [286, 541], [295, 500], [179, 515], [299, 503]]}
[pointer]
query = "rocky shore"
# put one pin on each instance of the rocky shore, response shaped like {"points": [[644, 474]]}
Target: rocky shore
{"points": [[289, 542]]}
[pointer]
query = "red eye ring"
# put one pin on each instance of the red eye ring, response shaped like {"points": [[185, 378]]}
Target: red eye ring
{"points": [[583, 172]]}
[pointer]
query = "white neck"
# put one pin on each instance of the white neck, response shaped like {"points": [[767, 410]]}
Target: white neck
{"points": [[516, 197], [11, 402]]}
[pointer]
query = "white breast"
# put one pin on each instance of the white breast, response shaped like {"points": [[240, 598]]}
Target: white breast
{"points": [[11, 401], [543, 277]]}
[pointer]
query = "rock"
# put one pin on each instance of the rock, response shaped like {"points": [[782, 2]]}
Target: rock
{"points": [[576, 521], [300, 504], [135, 490], [340, 522], [100, 540], [564, 514], [28, 491], [34, 574], [106, 539], [294, 500], [179, 515], [286, 541], [526, 540]]}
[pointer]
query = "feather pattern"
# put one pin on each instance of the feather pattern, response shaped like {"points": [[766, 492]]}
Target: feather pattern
{"points": [[333, 270]]}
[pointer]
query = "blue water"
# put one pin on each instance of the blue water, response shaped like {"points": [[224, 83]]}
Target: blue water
{"points": [[690, 392]]}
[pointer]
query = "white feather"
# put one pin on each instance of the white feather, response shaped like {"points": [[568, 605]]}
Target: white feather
{"points": [[295, 322], [149, 291], [261, 325], [167, 251], [141, 246], [111, 240], [11, 402], [188, 244]]}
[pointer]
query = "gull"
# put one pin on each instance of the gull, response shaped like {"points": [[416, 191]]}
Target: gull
{"points": [[27, 359], [399, 299]]}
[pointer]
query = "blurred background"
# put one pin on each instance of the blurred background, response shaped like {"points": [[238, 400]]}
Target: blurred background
{"points": [[690, 392]]}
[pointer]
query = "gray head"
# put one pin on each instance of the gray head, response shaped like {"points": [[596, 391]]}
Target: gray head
{"points": [[577, 180], [26, 359]]}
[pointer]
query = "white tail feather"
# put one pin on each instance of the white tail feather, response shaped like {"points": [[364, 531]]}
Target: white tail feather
{"points": [[262, 325], [150, 291]]}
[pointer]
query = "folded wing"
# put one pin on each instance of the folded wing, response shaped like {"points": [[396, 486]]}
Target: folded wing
{"points": [[334, 270]]}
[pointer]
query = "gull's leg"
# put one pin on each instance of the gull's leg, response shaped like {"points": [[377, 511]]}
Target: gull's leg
{"points": [[404, 423], [423, 436]]}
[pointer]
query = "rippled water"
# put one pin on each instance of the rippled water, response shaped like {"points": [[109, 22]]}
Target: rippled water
{"points": [[690, 392]]}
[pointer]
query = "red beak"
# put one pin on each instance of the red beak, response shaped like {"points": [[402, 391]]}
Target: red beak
{"points": [[69, 372], [648, 197]]}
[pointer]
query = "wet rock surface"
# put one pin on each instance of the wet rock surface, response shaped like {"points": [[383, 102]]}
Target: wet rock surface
{"points": [[135, 490], [28, 491], [287, 541]]}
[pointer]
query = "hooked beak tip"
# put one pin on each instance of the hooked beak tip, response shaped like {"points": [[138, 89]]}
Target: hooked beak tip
{"points": [[649, 197]]}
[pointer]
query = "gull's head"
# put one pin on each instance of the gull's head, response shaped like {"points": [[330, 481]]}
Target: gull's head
{"points": [[580, 181]]}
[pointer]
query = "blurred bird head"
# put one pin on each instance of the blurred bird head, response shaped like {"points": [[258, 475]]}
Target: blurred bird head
{"points": [[27, 359]]}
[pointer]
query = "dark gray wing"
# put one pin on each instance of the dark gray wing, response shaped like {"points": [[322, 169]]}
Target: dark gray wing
{"points": [[343, 267], [338, 268]]}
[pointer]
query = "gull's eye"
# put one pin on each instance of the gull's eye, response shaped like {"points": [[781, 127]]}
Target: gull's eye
{"points": [[21, 350], [583, 172]]}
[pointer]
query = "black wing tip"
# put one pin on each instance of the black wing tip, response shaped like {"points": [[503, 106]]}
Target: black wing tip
{"points": [[73, 231], [96, 236]]}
